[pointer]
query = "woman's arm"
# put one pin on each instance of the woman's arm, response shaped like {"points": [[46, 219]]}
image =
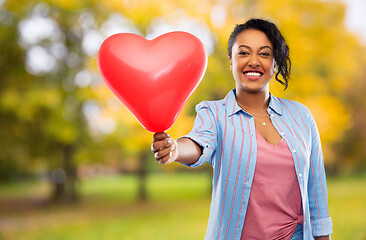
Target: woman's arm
{"points": [[317, 186], [167, 150]]}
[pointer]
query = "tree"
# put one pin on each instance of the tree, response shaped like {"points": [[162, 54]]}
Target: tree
{"points": [[350, 151], [44, 101]]}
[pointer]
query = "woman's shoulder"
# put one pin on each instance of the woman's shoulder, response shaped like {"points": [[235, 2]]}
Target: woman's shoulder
{"points": [[292, 106], [218, 105], [214, 105]]}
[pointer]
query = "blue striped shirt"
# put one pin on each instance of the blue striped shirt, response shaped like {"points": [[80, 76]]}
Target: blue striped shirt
{"points": [[227, 135]]}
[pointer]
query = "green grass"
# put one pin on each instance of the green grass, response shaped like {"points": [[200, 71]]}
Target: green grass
{"points": [[160, 187], [347, 207], [178, 208]]}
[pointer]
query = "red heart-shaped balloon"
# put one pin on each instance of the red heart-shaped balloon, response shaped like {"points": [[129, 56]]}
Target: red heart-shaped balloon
{"points": [[153, 78]]}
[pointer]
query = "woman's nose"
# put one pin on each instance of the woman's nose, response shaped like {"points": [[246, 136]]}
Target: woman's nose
{"points": [[253, 61]]}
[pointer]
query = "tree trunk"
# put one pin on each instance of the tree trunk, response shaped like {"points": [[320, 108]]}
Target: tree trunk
{"points": [[64, 179], [142, 172]]}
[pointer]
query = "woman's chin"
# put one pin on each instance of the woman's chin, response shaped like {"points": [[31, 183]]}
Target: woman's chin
{"points": [[253, 87]]}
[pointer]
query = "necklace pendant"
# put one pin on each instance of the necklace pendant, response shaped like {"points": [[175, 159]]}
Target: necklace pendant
{"points": [[264, 124]]}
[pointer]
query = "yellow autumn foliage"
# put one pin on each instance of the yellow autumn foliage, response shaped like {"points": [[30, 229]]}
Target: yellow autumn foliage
{"points": [[325, 56]]}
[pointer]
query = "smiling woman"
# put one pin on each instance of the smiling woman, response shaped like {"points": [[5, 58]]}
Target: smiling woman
{"points": [[268, 170], [252, 62], [275, 42]]}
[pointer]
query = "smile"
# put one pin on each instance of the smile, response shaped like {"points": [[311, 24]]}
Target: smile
{"points": [[256, 74], [253, 74]]}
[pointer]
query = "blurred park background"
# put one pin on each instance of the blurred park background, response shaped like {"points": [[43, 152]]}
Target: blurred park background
{"points": [[75, 164]]}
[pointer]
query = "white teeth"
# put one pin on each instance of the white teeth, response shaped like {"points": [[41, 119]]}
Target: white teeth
{"points": [[256, 74]]}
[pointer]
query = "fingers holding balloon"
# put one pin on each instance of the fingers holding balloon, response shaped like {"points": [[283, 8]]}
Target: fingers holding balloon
{"points": [[161, 141], [166, 159], [166, 156], [160, 136], [164, 148]]}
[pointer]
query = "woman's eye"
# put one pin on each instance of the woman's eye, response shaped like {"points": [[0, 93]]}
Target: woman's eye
{"points": [[265, 54], [243, 53]]}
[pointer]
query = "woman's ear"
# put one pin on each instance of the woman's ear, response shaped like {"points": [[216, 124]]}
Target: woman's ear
{"points": [[275, 67], [231, 64]]}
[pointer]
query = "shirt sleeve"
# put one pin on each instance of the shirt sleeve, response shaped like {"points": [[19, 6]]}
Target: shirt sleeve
{"points": [[204, 133], [317, 186]]}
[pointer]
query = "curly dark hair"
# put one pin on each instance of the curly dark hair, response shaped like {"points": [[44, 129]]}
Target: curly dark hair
{"points": [[281, 50]]}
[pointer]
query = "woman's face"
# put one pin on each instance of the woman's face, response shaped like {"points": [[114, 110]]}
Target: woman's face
{"points": [[252, 61]]}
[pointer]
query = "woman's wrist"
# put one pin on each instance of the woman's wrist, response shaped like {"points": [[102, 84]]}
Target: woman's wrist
{"points": [[187, 151]]}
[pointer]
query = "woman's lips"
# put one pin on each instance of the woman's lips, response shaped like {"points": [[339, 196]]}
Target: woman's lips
{"points": [[253, 75]]}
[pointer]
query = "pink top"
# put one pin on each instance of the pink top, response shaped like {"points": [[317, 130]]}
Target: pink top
{"points": [[274, 207]]}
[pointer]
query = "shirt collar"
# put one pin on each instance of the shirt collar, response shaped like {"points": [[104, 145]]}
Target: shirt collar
{"points": [[275, 104], [232, 106]]}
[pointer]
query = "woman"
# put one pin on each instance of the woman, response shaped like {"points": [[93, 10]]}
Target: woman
{"points": [[268, 171]]}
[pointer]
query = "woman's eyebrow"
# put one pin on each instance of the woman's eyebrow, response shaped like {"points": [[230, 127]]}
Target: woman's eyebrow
{"points": [[243, 46], [265, 47], [259, 48]]}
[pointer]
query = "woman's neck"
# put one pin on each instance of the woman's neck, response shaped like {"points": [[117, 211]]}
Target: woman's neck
{"points": [[253, 101]]}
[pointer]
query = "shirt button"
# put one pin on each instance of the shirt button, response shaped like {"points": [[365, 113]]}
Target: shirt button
{"points": [[272, 115], [294, 150], [300, 175], [282, 133]]}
